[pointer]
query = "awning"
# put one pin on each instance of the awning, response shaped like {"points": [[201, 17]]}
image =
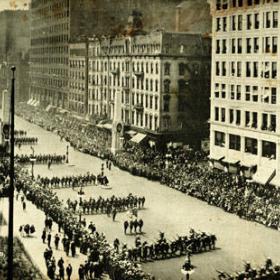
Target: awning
{"points": [[63, 111], [32, 102], [138, 138], [231, 161], [29, 101], [108, 126], [78, 117], [48, 108], [264, 176], [131, 132], [216, 158], [276, 181]]}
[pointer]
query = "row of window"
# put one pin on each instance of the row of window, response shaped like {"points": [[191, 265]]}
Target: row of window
{"points": [[250, 144], [49, 60], [250, 119], [124, 48], [248, 22], [249, 69], [140, 67], [269, 44], [225, 4], [76, 97], [49, 50], [266, 95], [140, 119]]}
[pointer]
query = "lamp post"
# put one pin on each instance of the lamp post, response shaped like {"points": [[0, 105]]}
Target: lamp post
{"points": [[12, 175], [33, 160], [32, 149], [67, 154]]}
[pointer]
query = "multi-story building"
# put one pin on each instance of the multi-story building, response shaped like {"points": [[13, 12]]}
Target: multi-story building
{"points": [[14, 50], [162, 77], [245, 107], [78, 77], [55, 23]]}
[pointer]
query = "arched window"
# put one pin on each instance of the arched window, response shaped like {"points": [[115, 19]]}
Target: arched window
{"points": [[182, 86], [167, 68], [166, 86]]}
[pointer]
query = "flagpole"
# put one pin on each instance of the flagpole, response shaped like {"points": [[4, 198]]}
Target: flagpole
{"points": [[12, 175]]}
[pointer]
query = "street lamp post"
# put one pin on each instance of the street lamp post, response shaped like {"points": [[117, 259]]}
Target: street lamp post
{"points": [[33, 159], [67, 154], [12, 175], [33, 151]]}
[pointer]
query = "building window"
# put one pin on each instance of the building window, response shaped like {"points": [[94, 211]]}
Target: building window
{"points": [[219, 139], [166, 105], [273, 96], [238, 117], [223, 114], [181, 69], [166, 86], [269, 149], [217, 114], [272, 126], [275, 19], [264, 122], [251, 146], [234, 142], [231, 116], [181, 86], [167, 69]]}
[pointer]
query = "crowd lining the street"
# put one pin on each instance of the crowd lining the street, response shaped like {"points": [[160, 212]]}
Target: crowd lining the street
{"points": [[183, 170], [268, 271], [90, 243]]}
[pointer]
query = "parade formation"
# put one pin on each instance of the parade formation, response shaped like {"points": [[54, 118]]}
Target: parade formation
{"points": [[178, 169]]}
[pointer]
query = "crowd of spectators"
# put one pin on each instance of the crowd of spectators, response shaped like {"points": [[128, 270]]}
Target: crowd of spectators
{"points": [[268, 271], [92, 244], [181, 169]]}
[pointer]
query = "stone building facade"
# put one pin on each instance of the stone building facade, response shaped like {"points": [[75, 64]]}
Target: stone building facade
{"points": [[245, 87], [163, 79], [57, 23]]}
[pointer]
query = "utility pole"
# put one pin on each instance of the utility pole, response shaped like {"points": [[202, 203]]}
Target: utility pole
{"points": [[12, 175]]}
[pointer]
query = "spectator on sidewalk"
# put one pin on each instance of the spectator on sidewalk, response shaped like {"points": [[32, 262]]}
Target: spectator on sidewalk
{"points": [[69, 271], [23, 205], [49, 239], [44, 235], [56, 241]]}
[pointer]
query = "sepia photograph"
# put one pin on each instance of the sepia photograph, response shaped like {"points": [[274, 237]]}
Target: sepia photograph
{"points": [[139, 139]]}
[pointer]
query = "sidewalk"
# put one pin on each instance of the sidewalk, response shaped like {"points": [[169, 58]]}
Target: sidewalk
{"points": [[34, 245]]}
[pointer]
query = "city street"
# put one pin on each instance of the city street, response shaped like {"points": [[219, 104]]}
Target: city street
{"points": [[165, 210]]}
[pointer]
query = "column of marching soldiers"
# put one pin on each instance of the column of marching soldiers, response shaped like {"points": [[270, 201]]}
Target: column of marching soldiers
{"points": [[162, 248]]}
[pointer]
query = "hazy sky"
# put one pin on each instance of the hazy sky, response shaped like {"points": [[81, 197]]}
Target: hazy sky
{"points": [[13, 4]]}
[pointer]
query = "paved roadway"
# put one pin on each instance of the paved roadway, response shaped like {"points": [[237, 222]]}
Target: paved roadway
{"points": [[166, 210]]}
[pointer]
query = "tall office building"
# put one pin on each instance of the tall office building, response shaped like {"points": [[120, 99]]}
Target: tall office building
{"points": [[245, 107], [14, 50], [53, 24]]}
